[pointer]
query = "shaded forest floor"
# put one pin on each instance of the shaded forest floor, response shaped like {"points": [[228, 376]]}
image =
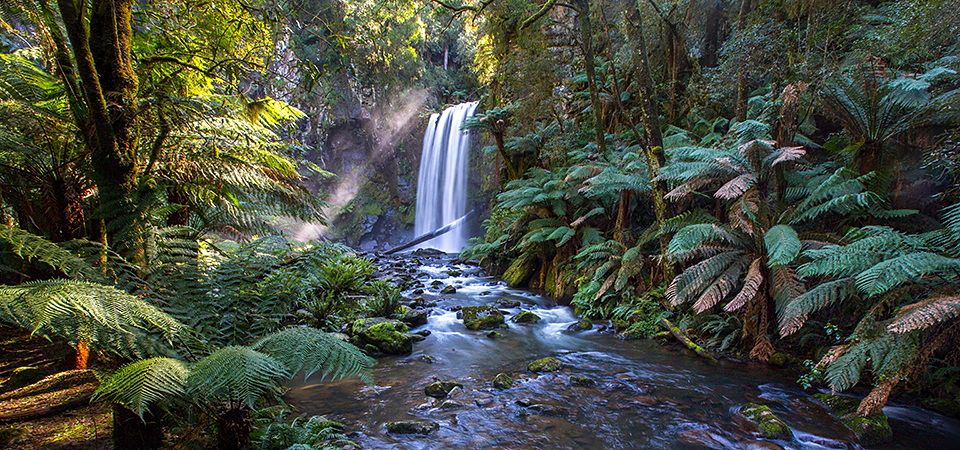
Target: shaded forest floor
{"points": [[49, 383]]}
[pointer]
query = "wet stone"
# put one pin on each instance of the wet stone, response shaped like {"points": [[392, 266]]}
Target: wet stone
{"points": [[582, 325], [508, 304], [761, 445], [441, 389], [422, 427], [548, 364], [448, 290], [427, 359], [583, 381], [502, 381], [526, 317], [481, 317], [766, 422]]}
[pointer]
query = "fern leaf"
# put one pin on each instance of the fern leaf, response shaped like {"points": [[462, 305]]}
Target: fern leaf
{"points": [[696, 278], [235, 372], [751, 285], [630, 266], [312, 351], [736, 187], [783, 245], [795, 311], [719, 289], [894, 272], [844, 372], [31, 247], [925, 314], [785, 154], [140, 384], [693, 236]]}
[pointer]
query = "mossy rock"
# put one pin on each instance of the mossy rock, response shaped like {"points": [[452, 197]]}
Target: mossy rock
{"points": [[24, 376], [441, 389], [581, 325], [412, 317], [484, 317], [448, 290], [520, 270], [549, 364], [767, 423], [779, 359], [390, 336], [493, 334], [502, 381], [526, 317], [422, 427], [583, 381], [870, 430], [507, 304], [454, 273]]}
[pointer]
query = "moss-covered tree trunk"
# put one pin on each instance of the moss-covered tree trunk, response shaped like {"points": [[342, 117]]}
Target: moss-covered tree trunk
{"points": [[101, 38], [653, 148], [742, 92], [586, 37]]}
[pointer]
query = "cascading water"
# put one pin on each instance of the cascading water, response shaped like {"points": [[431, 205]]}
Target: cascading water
{"points": [[442, 184]]}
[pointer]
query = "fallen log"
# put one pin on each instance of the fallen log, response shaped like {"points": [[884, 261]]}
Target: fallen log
{"points": [[432, 234], [44, 411], [682, 337]]}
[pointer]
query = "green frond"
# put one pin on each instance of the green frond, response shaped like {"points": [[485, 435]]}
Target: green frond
{"points": [[630, 266], [845, 371], [693, 236], [686, 218], [751, 285], [140, 384], [795, 312], [925, 314], [235, 373], [32, 247], [783, 245], [720, 288], [312, 351], [891, 273], [87, 312], [692, 282]]}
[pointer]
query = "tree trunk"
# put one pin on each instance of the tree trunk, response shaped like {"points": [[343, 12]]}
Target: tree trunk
{"points": [[233, 429], [586, 31], [878, 396], [83, 355], [130, 432], [742, 92], [871, 156], [653, 150]]}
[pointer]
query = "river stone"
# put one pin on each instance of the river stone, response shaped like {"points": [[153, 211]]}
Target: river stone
{"points": [[761, 445], [483, 317], [423, 427], [767, 423], [427, 359], [583, 381], [548, 364], [582, 325], [441, 389], [520, 270], [493, 334], [526, 317], [870, 430], [943, 406], [448, 290], [502, 381], [390, 336], [412, 317], [507, 304]]}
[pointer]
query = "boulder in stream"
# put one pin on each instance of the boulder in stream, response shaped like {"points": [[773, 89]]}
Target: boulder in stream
{"points": [[448, 290], [766, 422], [423, 427], [871, 430], [441, 389], [583, 381], [549, 364], [581, 325], [390, 336], [412, 317], [502, 381], [526, 317], [483, 317]]}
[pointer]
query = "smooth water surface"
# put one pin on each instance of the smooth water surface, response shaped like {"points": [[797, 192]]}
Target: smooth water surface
{"points": [[648, 395]]}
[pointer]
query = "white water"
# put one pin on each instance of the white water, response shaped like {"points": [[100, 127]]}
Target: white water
{"points": [[442, 183]]}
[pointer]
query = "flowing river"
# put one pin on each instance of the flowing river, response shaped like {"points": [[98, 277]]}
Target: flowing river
{"points": [[647, 395]]}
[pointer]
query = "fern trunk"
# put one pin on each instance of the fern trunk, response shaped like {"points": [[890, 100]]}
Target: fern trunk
{"points": [[234, 428], [878, 396], [83, 355], [130, 432]]}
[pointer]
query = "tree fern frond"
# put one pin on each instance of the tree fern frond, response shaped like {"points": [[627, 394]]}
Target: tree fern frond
{"points": [[796, 311], [844, 372], [630, 266], [925, 314], [720, 288], [140, 384], [692, 236], [751, 285], [891, 273], [678, 222], [235, 372], [695, 279], [736, 187], [785, 154], [32, 247], [312, 351], [783, 245]]}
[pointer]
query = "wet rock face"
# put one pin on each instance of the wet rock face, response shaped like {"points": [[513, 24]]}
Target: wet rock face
{"points": [[767, 423], [441, 389], [422, 427], [484, 317], [502, 381], [526, 317], [582, 325], [549, 364], [389, 336]]}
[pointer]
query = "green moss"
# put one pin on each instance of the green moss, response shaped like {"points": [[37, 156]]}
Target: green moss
{"points": [[583, 381], [767, 423], [548, 364], [440, 389], [502, 381], [9, 435], [583, 325], [870, 430], [24, 376], [520, 270], [941, 405], [526, 317], [389, 336], [484, 317]]}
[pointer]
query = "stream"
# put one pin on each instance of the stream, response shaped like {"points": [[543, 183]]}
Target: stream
{"points": [[647, 395]]}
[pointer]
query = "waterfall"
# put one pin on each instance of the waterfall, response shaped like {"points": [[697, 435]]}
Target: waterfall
{"points": [[442, 184]]}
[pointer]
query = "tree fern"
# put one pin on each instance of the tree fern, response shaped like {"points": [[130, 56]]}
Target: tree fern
{"points": [[894, 272], [140, 384], [925, 313], [312, 350], [235, 372], [795, 312], [783, 245], [31, 247]]}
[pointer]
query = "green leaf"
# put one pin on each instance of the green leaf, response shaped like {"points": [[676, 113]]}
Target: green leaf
{"points": [[783, 245], [140, 384]]}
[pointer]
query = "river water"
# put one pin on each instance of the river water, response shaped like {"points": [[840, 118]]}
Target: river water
{"points": [[647, 395]]}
